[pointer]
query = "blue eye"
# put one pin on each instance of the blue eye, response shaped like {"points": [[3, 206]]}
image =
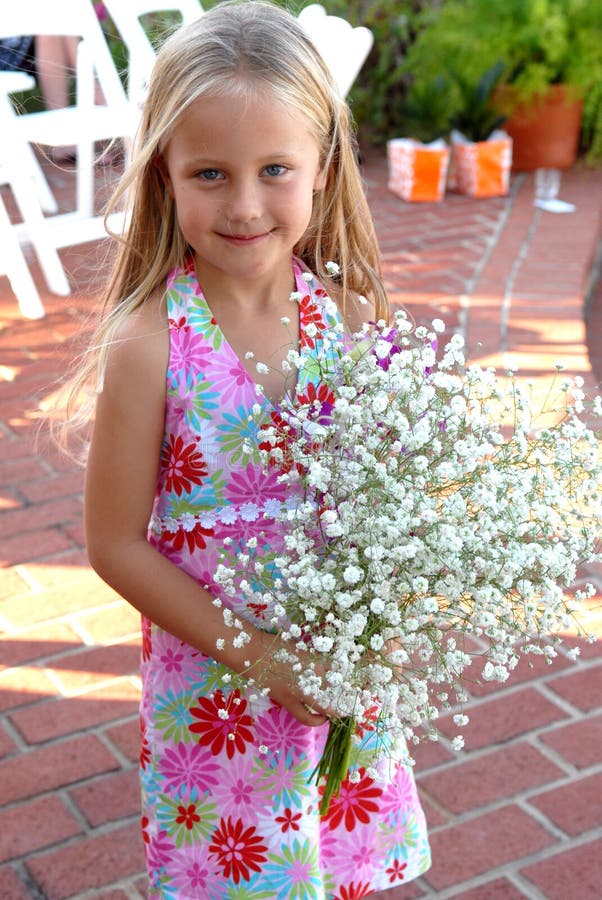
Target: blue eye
{"points": [[275, 169], [209, 174]]}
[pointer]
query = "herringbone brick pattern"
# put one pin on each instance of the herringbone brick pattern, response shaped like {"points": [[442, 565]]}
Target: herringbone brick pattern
{"points": [[518, 813]]}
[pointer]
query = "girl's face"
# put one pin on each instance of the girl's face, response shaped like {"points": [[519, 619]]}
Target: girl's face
{"points": [[242, 170]]}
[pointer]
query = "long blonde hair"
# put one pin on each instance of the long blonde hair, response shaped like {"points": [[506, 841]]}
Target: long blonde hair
{"points": [[238, 45]]}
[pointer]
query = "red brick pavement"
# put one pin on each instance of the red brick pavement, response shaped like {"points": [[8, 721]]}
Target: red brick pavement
{"points": [[518, 813]]}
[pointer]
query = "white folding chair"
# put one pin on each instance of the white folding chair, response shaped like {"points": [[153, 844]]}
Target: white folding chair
{"points": [[19, 169], [85, 122], [81, 125], [342, 47], [126, 14], [14, 83], [14, 264]]}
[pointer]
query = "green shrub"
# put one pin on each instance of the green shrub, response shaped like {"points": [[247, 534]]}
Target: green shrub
{"points": [[540, 43]]}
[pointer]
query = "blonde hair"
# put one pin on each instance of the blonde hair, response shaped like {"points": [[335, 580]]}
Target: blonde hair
{"points": [[238, 45]]}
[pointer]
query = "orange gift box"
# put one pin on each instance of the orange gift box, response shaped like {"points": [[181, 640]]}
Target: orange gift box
{"points": [[481, 169], [417, 172]]}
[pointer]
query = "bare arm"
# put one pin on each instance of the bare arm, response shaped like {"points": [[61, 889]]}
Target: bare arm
{"points": [[120, 486]]}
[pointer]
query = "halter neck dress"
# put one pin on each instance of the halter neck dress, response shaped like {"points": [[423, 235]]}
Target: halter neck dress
{"points": [[229, 810]]}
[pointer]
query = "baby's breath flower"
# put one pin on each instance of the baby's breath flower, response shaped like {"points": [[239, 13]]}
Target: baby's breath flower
{"points": [[352, 574], [421, 503], [460, 720]]}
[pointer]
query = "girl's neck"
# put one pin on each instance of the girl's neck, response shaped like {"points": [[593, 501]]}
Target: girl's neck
{"points": [[246, 294]]}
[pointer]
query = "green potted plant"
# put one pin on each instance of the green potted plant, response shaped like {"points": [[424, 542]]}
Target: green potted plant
{"points": [[552, 54]]}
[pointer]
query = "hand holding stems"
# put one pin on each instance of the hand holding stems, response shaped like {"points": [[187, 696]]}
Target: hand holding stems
{"points": [[276, 676]]}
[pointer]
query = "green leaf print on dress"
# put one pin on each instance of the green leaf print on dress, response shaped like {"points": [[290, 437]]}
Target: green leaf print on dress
{"points": [[187, 819], [239, 436], [172, 717], [196, 399], [295, 873], [201, 317]]}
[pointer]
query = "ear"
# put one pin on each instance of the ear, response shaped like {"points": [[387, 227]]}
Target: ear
{"points": [[320, 179], [161, 166]]}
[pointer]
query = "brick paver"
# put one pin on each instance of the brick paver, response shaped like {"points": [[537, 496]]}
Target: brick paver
{"points": [[517, 813]]}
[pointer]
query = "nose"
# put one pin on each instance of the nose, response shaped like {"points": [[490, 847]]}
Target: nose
{"points": [[244, 202]]}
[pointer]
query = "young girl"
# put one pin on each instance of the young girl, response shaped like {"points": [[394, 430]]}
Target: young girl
{"points": [[244, 181]]}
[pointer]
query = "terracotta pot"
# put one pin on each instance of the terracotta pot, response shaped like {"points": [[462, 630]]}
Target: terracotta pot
{"points": [[545, 132]]}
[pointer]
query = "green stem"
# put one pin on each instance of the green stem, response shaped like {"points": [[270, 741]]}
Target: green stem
{"points": [[335, 759]]}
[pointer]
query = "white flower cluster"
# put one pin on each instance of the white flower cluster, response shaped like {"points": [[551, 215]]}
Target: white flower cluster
{"points": [[431, 509]]}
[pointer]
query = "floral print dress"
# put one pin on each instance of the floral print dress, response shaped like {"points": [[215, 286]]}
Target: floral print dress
{"points": [[229, 809]]}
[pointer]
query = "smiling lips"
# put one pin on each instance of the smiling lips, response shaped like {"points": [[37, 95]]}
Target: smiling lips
{"points": [[244, 240]]}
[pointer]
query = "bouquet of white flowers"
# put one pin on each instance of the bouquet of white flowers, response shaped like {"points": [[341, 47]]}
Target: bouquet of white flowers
{"points": [[430, 508]]}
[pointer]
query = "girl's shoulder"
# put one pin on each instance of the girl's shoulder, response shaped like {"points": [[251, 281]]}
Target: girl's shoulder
{"points": [[140, 338], [149, 319]]}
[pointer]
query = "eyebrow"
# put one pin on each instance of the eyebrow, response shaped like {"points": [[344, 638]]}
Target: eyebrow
{"points": [[212, 162]]}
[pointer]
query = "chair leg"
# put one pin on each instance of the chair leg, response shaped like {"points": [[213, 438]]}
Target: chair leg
{"points": [[36, 232], [85, 179], [45, 196], [17, 270], [29, 163]]}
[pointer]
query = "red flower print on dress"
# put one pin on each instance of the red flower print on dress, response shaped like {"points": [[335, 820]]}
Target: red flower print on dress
{"points": [[177, 324], [396, 872], [288, 820], [239, 850], [145, 754], [309, 314], [284, 435], [353, 891], [320, 394], [321, 402], [147, 643], [144, 823], [258, 610], [194, 538], [367, 726], [354, 802], [183, 465], [231, 728], [188, 816]]}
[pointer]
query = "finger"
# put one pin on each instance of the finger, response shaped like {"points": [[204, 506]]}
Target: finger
{"points": [[310, 716]]}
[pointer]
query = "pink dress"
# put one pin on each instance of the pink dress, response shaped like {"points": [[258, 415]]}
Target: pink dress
{"points": [[229, 810]]}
